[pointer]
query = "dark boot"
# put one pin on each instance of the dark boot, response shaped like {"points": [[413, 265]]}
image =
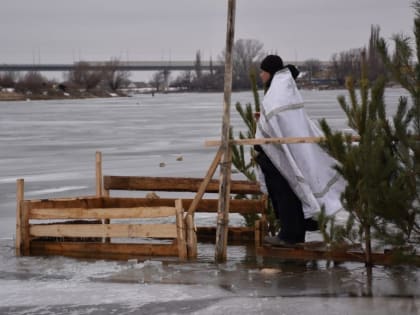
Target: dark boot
{"points": [[311, 225]]}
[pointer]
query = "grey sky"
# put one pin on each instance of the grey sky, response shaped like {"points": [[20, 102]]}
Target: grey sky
{"points": [[67, 31]]}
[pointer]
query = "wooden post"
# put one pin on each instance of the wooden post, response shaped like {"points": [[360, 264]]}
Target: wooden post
{"points": [[191, 237], [257, 233], [26, 237], [99, 186], [19, 209], [180, 229], [225, 169], [98, 164]]}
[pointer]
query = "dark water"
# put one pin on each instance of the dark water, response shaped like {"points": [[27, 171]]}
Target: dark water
{"points": [[52, 145]]}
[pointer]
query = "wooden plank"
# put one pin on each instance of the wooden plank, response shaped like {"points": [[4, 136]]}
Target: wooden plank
{"points": [[19, 209], [176, 184], [285, 140], [79, 202], [104, 230], [204, 205], [102, 250], [336, 256], [70, 210], [101, 213]]}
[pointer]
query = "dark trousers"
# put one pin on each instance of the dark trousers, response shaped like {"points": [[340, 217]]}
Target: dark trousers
{"points": [[287, 206]]}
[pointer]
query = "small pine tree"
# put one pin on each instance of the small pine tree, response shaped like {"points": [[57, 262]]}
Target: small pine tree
{"points": [[376, 194], [406, 132]]}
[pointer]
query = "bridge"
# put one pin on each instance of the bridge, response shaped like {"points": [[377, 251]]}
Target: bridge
{"points": [[121, 65]]}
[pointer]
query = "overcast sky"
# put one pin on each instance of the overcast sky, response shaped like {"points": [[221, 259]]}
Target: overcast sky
{"points": [[52, 31]]}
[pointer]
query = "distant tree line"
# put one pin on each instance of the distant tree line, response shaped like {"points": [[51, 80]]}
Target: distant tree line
{"points": [[247, 55], [84, 77]]}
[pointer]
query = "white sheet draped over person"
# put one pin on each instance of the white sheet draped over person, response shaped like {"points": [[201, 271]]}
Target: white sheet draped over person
{"points": [[306, 167]]}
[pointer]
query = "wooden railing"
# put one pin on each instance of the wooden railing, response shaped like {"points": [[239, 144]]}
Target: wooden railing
{"points": [[73, 227]]}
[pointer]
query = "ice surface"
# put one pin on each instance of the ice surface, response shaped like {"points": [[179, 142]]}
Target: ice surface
{"points": [[52, 145]]}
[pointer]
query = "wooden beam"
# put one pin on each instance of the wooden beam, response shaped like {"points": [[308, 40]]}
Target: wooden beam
{"points": [[102, 250], [41, 208], [19, 209], [204, 205], [176, 184], [104, 230], [101, 213], [333, 255], [205, 182], [77, 202], [285, 140]]}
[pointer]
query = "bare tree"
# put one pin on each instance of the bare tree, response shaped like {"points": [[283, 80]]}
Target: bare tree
{"points": [[376, 66], [313, 67], [114, 77], [347, 63], [197, 65], [8, 79], [86, 76], [246, 53], [32, 82], [183, 80], [158, 80]]}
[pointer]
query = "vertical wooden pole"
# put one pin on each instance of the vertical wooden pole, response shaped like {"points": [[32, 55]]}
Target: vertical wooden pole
{"points": [[191, 237], [180, 229], [19, 209], [225, 169], [25, 236], [99, 187], [98, 164]]}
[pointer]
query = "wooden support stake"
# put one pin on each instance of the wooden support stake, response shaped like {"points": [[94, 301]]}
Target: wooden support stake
{"points": [[189, 218], [204, 184], [180, 229], [99, 186], [191, 237], [98, 160], [25, 236], [19, 209], [224, 191]]}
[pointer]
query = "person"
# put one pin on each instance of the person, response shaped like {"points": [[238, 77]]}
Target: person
{"points": [[299, 178]]}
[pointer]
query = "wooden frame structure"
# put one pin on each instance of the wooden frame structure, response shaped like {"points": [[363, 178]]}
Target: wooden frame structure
{"points": [[92, 226], [201, 205], [74, 227]]}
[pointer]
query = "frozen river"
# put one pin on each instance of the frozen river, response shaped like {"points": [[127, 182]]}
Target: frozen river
{"points": [[52, 145]]}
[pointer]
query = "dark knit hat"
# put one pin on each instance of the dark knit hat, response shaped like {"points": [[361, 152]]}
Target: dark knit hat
{"points": [[272, 64]]}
